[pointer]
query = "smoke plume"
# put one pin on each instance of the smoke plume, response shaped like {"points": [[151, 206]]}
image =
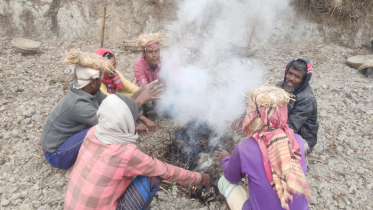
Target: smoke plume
{"points": [[205, 79]]}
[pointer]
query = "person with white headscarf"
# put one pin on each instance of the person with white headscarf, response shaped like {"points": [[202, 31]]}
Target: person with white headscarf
{"points": [[111, 173], [71, 118]]}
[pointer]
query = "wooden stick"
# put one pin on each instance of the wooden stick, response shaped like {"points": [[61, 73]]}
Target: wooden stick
{"points": [[166, 182], [50, 201], [36, 155], [4, 120], [251, 36], [103, 28], [21, 128], [207, 140], [164, 190], [245, 95]]}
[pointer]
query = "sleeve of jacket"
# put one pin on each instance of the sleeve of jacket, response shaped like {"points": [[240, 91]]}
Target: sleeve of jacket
{"points": [[300, 113], [128, 88], [142, 164], [103, 89], [139, 73], [100, 96]]}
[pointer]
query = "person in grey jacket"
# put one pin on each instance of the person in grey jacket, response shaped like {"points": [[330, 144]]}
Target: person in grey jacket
{"points": [[302, 113], [70, 120]]}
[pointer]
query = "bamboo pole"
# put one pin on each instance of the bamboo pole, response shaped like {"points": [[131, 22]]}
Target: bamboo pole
{"points": [[103, 28], [251, 36]]}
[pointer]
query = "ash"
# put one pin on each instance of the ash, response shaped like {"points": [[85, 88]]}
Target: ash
{"points": [[190, 149]]}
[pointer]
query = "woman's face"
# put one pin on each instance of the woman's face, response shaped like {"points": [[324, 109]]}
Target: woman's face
{"points": [[114, 63]]}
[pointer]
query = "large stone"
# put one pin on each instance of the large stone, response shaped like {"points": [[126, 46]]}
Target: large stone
{"points": [[45, 207], [26, 207], [4, 202]]}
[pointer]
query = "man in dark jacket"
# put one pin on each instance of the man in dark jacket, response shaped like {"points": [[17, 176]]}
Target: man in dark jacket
{"points": [[302, 113]]}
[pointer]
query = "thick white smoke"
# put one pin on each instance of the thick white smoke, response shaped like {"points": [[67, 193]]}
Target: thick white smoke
{"points": [[205, 79]]}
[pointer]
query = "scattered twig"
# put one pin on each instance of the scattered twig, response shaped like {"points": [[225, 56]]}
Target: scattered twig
{"points": [[186, 164], [4, 120], [22, 185], [317, 160], [166, 182], [207, 140], [245, 95], [208, 200], [50, 201], [9, 141], [19, 121], [317, 178], [164, 190], [159, 140], [36, 155], [365, 151], [21, 128]]}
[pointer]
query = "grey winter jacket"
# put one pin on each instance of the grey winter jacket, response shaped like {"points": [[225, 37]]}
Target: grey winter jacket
{"points": [[74, 113], [302, 115]]}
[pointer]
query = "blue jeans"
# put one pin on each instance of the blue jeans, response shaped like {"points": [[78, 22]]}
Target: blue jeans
{"points": [[67, 153]]}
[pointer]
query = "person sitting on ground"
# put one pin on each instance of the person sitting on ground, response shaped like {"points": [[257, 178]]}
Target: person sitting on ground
{"points": [[148, 66], [71, 118], [114, 82], [273, 158], [108, 161], [302, 113]]}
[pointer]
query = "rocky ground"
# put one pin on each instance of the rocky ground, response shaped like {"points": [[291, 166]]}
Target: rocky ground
{"points": [[339, 173]]}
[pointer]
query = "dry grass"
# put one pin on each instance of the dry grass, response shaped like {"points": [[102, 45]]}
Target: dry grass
{"points": [[92, 61], [145, 40], [269, 96], [346, 16]]}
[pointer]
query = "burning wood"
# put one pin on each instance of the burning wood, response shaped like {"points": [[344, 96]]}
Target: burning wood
{"points": [[189, 149]]}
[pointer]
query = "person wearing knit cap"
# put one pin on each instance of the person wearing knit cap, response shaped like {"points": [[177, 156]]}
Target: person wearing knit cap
{"points": [[114, 82], [70, 120], [302, 113], [272, 157]]}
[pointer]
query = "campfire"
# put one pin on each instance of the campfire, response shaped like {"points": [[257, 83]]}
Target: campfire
{"points": [[190, 149]]}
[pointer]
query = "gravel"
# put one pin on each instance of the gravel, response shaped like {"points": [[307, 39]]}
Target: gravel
{"points": [[340, 170]]}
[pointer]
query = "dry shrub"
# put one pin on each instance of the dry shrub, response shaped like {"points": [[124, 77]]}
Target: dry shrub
{"points": [[346, 16]]}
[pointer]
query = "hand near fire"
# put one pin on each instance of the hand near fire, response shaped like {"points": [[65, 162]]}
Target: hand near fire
{"points": [[141, 129], [206, 181], [220, 154], [148, 92]]}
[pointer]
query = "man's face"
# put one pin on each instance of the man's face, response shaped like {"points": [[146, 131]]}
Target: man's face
{"points": [[152, 56], [293, 80]]}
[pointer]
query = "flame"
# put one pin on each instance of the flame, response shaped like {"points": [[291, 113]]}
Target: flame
{"points": [[195, 188]]}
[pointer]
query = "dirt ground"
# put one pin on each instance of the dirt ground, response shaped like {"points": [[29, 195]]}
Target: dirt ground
{"points": [[339, 171]]}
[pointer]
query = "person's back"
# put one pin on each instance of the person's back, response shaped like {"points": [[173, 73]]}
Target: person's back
{"points": [[262, 196], [74, 113], [273, 158]]}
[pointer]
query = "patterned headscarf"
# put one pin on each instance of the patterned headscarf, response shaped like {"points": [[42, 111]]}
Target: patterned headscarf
{"points": [[280, 151]]}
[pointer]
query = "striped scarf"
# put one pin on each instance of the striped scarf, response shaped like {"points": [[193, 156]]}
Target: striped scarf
{"points": [[280, 151], [113, 84]]}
